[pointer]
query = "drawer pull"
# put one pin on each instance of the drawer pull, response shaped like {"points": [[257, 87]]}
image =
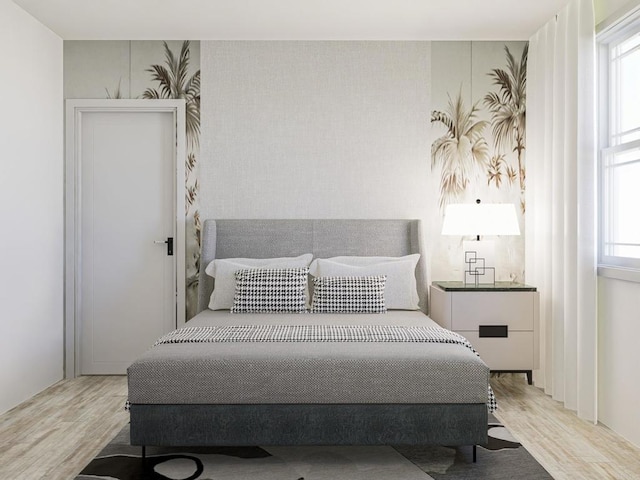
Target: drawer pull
{"points": [[494, 331]]}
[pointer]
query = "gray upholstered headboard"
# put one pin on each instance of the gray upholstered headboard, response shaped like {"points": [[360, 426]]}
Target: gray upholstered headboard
{"points": [[322, 238]]}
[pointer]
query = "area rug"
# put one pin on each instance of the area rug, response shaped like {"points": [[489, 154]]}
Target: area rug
{"points": [[504, 458]]}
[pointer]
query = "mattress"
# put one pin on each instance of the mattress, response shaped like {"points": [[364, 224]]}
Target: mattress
{"points": [[307, 372]]}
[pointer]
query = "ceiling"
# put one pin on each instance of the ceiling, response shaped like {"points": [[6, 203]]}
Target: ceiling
{"points": [[293, 19]]}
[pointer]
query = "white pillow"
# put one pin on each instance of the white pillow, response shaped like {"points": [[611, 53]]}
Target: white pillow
{"points": [[224, 270], [358, 261], [401, 291]]}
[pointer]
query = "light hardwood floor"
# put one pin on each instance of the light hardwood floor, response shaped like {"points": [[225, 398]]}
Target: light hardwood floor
{"points": [[55, 434], [568, 447]]}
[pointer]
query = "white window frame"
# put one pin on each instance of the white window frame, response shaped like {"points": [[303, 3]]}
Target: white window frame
{"points": [[624, 268]]}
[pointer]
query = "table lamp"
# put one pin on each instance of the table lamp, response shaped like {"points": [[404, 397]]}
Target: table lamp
{"points": [[480, 219]]}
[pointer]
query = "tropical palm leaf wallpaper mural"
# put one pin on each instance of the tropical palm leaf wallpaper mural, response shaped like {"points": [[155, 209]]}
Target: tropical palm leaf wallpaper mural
{"points": [[508, 108], [461, 149], [478, 141], [174, 82]]}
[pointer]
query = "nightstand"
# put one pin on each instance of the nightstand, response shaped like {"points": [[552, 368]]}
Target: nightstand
{"points": [[500, 321]]}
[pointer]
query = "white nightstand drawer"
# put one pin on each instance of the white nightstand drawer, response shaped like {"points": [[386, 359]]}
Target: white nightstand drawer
{"points": [[500, 321], [471, 309], [512, 353]]}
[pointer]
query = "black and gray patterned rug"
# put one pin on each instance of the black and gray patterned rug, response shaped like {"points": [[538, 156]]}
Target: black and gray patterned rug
{"points": [[504, 458]]}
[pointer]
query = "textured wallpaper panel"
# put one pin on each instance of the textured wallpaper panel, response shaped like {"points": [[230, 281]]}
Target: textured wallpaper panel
{"points": [[315, 129]]}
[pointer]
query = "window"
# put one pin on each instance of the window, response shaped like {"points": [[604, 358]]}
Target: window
{"points": [[619, 65]]}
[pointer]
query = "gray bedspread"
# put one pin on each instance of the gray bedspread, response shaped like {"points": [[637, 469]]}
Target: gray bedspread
{"points": [[309, 373]]}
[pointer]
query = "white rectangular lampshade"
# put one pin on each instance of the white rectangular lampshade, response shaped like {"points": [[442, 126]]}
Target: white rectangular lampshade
{"points": [[480, 219]]}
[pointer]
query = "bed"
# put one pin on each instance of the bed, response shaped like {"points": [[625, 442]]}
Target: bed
{"points": [[308, 393]]}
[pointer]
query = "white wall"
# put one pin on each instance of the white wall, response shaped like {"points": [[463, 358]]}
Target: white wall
{"points": [[31, 207], [619, 356]]}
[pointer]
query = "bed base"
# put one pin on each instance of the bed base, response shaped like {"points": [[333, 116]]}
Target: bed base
{"points": [[285, 424]]}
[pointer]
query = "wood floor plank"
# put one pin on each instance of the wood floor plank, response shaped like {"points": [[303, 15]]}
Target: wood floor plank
{"points": [[568, 447], [55, 434]]}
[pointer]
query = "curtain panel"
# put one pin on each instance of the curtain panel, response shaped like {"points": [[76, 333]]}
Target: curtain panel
{"points": [[560, 241]]}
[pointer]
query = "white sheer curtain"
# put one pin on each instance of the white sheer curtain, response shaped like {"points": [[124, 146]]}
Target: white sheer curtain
{"points": [[560, 204]]}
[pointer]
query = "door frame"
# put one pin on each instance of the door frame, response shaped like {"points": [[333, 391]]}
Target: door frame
{"points": [[73, 139]]}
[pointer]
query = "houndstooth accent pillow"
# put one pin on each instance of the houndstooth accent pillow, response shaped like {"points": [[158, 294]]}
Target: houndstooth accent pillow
{"points": [[349, 294], [271, 290]]}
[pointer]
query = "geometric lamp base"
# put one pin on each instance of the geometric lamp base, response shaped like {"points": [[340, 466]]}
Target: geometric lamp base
{"points": [[479, 262]]}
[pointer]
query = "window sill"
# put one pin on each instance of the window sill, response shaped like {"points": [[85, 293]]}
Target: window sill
{"points": [[619, 273]]}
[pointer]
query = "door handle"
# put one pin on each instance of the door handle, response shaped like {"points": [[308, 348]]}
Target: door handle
{"points": [[169, 242]]}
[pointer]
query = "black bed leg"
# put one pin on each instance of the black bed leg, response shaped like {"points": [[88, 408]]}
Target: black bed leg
{"points": [[144, 463], [474, 454], [144, 458], [530, 377]]}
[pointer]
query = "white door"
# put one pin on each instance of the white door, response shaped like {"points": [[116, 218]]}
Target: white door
{"points": [[126, 275]]}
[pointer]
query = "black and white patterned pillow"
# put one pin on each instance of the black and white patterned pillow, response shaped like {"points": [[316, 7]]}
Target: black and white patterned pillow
{"points": [[349, 294], [271, 290]]}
